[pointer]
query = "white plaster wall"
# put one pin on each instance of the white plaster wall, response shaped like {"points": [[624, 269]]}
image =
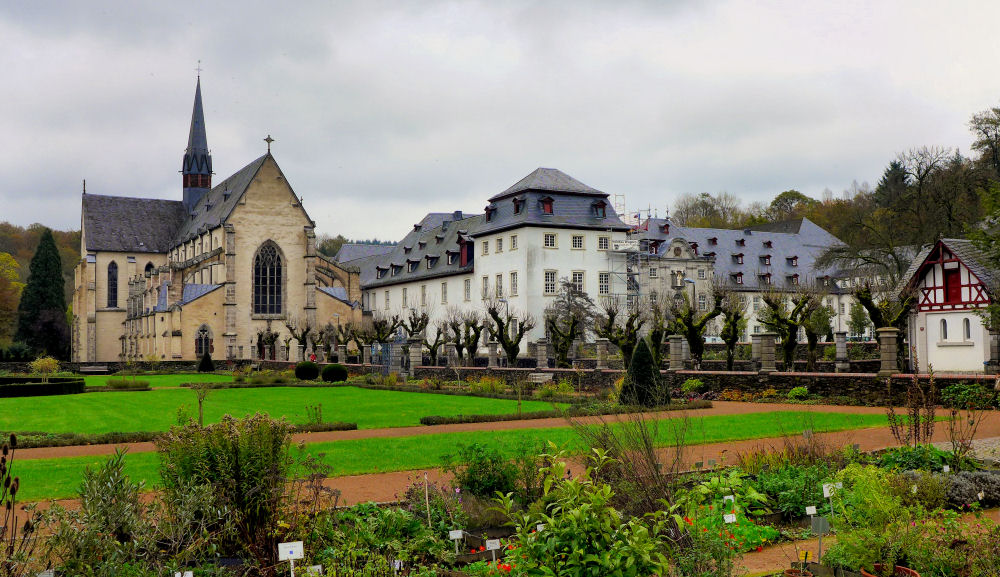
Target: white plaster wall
{"points": [[956, 352]]}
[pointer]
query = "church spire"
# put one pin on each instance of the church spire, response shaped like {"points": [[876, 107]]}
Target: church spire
{"points": [[197, 169]]}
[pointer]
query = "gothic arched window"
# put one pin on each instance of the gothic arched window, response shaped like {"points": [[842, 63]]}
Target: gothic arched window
{"points": [[113, 285], [149, 269], [203, 341], [267, 281]]}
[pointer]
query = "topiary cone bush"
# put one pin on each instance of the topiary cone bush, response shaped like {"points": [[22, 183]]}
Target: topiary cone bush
{"points": [[642, 381], [334, 373], [306, 371], [206, 365]]}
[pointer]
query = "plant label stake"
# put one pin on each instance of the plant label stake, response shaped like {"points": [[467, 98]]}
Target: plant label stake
{"points": [[729, 498], [456, 536], [829, 489], [492, 545], [539, 527], [913, 489], [427, 502], [397, 566], [290, 552], [811, 510], [947, 468], [729, 517], [820, 526]]}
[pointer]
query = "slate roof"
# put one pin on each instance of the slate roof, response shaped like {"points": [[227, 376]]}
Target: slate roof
{"points": [[548, 179], [353, 251], [127, 224], [573, 205], [437, 242], [193, 292], [971, 256], [806, 245], [339, 293], [215, 206]]}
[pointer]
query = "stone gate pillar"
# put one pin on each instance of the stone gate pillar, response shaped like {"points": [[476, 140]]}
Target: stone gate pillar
{"points": [[542, 352], [492, 346], [416, 353], [366, 354], [755, 351], [602, 353], [843, 363], [767, 352], [450, 354], [676, 352], [887, 351], [341, 354], [994, 362]]}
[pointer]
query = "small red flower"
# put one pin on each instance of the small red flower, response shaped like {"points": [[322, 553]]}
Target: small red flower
{"points": [[760, 548]]}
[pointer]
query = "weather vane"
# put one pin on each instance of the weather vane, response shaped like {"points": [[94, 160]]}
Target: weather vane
{"points": [[198, 69], [268, 140]]}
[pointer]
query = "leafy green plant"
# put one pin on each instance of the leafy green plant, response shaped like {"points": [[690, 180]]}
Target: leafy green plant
{"points": [[742, 535], [553, 389], [692, 386], [798, 394], [334, 373], [306, 371], [481, 470], [922, 457], [794, 487], [44, 366], [582, 533]]}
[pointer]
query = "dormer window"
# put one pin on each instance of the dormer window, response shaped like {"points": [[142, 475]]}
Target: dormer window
{"points": [[793, 261], [767, 244], [411, 266], [738, 258], [438, 238], [489, 213], [407, 249], [395, 269], [765, 278], [421, 244], [713, 241], [765, 260], [431, 261], [825, 281], [694, 247], [599, 209], [666, 228], [518, 204], [380, 272], [546, 204], [738, 278], [792, 279], [741, 242], [710, 255]]}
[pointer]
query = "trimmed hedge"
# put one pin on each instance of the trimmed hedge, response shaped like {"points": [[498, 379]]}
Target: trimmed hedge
{"points": [[334, 373], [575, 411], [307, 371], [34, 387]]}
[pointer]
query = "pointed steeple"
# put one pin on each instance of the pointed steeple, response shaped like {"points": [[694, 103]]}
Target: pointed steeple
{"points": [[197, 169]]}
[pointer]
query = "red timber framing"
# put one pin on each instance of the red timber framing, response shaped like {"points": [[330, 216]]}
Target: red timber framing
{"points": [[945, 283]]}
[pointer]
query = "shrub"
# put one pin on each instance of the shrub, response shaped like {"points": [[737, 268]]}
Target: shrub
{"points": [[968, 396], [794, 487], [206, 365], [153, 362], [481, 470], [798, 394], [123, 384], [487, 384], [642, 381], [931, 492], [922, 457], [247, 463], [692, 386], [553, 389], [44, 366], [334, 373], [306, 371]]}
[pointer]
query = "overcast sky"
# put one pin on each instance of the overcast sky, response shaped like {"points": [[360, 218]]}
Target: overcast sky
{"points": [[382, 112]]}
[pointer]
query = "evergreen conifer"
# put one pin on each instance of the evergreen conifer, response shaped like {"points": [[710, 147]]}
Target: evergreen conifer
{"points": [[41, 314], [643, 385]]}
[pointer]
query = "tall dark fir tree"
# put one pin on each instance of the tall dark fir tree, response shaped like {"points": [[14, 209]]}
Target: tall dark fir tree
{"points": [[41, 315]]}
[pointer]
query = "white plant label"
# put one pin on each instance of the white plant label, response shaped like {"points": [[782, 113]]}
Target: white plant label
{"points": [[729, 518], [456, 535], [290, 551], [492, 544], [981, 495], [828, 489], [947, 468], [729, 498], [810, 510], [397, 565], [540, 527], [913, 489]]}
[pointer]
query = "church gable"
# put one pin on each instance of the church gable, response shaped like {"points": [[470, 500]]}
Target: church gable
{"points": [[950, 277], [268, 195]]}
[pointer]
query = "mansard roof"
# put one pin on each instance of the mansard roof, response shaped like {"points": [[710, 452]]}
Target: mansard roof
{"points": [[215, 206], [128, 224], [790, 254]]}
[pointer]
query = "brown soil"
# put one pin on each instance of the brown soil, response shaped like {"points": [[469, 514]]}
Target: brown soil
{"points": [[384, 487]]}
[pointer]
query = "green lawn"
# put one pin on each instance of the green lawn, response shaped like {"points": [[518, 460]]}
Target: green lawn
{"points": [[56, 478], [157, 410], [160, 380]]}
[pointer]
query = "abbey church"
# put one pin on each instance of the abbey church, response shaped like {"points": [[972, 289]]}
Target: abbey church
{"points": [[208, 273]]}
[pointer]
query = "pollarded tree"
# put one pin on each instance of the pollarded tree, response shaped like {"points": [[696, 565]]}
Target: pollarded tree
{"points": [[734, 322], [660, 326], [691, 323], [454, 320], [473, 326], [817, 324], [567, 319], [440, 338], [300, 330], [784, 313], [888, 308], [508, 328], [620, 326], [41, 314], [415, 322], [382, 327]]}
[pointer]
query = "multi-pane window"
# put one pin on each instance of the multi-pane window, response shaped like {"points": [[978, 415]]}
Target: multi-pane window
{"points": [[513, 242], [513, 283], [203, 341], [386, 300], [113, 285], [549, 240], [701, 274], [841, 308], [756, 303], [267, 281], [702, 303], [406, 304], [577, 279], [444, 293], [423, 295], [468, 289], [550, 282], [500, 244], [577, 241], [604, 283], [486, 247], [603, 242], [499, 285], [652, 272], [486, 287]]}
